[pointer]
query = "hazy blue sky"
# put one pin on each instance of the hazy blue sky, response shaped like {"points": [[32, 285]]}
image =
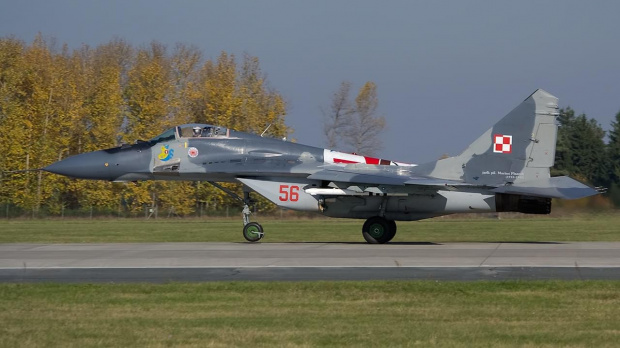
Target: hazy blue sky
{"points": [[445, 70]]}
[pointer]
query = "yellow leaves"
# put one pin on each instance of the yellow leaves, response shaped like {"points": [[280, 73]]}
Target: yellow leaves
{"points": [[239, 98], [148, 93], [177, 198], [219, 86], [54, 105]]}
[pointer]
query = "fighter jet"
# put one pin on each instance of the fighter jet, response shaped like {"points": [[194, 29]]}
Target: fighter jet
{"points": [[505, 170]]}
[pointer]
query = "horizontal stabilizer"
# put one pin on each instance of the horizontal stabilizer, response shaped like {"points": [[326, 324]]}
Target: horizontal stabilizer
{"points": [[557, 187]]}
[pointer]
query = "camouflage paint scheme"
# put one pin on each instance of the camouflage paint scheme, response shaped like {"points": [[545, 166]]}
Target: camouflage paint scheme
{"points": [[505, 169]]}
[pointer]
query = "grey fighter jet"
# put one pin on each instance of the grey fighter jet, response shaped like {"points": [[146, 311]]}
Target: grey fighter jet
{"points": [[505, 170]]}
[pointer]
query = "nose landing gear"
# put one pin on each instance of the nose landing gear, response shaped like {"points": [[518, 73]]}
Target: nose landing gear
{"points": [[252, 231]]}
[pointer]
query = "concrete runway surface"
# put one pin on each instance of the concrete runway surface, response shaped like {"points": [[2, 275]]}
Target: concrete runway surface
{"points": [[163, 262]]}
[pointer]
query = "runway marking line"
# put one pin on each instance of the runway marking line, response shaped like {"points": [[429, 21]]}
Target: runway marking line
{"points": [[276, 266]]}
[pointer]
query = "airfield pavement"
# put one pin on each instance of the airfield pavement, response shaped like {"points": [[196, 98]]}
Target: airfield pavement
{"points": [[163, 262]]}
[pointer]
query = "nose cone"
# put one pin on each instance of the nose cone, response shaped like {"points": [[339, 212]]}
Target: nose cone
{"points": [[91, 165]]}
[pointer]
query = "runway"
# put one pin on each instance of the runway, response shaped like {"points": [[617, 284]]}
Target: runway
{"points": [[163, 262]]}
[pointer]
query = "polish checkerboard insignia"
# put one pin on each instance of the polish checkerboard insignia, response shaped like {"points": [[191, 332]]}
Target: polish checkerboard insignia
{"points": [[502, 143]]}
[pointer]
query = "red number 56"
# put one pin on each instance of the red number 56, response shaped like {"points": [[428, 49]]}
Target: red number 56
{"points": [[289, 193]]}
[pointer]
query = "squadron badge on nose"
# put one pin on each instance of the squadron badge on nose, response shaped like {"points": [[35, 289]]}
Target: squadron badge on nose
{"points": [[166, 153]]}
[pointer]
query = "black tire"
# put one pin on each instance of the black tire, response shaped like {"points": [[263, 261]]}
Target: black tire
{"points": [[377, 230], [253, 232], [392, 229]]}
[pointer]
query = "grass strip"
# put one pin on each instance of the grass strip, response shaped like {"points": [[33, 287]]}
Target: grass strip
{"points": [[577, 228], [310, 314]]}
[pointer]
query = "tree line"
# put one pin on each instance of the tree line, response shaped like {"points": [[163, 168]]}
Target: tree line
{"points": [[56, 102], [583, 153]]}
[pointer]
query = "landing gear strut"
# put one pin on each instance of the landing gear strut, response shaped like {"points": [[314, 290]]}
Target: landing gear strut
{"points": [[252, 231], [378, 230]]}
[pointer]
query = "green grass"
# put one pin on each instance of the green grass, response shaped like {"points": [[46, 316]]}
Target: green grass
{"points": [[309, 314], [576, 228]]}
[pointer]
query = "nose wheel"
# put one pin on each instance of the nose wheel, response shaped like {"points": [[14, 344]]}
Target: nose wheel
{"points": [[252, 231]]}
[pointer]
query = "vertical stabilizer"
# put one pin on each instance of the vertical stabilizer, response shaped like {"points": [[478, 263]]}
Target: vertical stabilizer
{"points": [[520, 147]]}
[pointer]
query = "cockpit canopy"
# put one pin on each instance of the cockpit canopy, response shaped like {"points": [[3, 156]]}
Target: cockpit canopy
{"points": [[201, 131], [192, 130]]}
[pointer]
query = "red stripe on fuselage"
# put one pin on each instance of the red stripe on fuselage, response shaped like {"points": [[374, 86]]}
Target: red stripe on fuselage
{"points": [[338, 160], [371, 160]]}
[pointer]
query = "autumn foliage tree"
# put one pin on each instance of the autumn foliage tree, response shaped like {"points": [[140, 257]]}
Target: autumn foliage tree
{"points": [[56, 102]]}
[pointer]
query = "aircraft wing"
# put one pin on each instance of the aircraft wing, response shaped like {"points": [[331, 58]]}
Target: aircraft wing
{"points": [[379, 175]]}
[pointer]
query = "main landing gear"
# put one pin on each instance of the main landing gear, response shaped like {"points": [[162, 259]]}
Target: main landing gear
{"points": [[378, 230], [252, 231]]}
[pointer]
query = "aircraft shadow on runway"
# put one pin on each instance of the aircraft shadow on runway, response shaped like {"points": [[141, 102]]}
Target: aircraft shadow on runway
{"points": [[353, 243], [525, 242], [420, 243]]}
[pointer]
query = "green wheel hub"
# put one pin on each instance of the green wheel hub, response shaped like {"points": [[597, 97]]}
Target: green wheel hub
{"points": [[252, 231], [376, 230]]}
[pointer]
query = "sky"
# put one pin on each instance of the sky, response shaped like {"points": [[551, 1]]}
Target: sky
{"points": [[445, 71]]}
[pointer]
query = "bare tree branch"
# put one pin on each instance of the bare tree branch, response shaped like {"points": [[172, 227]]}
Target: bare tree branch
{"points": [[335, 121], [362, 133]]}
